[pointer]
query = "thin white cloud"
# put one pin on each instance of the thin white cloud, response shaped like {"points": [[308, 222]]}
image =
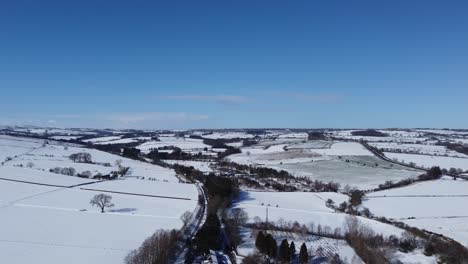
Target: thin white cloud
{"points": [[236, 99], [137, 120], [319, 98]]}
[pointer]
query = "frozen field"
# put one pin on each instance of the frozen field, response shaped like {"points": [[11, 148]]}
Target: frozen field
{"points": [[430, 161], [447, 213], [305, 208]]}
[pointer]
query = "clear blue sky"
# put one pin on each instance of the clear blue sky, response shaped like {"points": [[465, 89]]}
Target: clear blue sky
{"points": [[227, 64]]}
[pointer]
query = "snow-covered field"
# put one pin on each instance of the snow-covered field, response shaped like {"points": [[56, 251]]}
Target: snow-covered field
{"points": [[46, 217], [305, 208], [419, 149], [393, 136], [47, 157], [359, 172], [343, 162], [284, 152], [102, 139], [180, 142], [228, 135], [444, 132], [199, 165], [440, 206], [430, 161], [57, 224]]}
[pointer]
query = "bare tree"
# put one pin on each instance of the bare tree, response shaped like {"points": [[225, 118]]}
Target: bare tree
{"points": [[103, 201], [86, 174], [185, 218], [68, 171], [118, 163], [159, 248], [122, 169]]}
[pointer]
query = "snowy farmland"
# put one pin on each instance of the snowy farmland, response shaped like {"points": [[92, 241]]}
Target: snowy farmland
{"points": [[428, 161], [305, 208], [347, 163], [199, 165], [423, 149], [447, 213], [179, 142], [47, 217], [46, 157], [151, 197]]}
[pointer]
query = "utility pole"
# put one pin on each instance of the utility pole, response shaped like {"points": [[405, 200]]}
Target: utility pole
{"points": [[266, 217]]}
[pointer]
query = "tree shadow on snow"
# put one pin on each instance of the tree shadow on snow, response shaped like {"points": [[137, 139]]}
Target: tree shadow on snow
{"points": [[244, 196]]}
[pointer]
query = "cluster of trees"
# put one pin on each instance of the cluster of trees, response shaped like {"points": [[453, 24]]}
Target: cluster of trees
{"points": [[224, 187], [209, 236], [317, 135], [369, 246], [132, 153], [221, 143], [295, 227], [189, 172], [286, 252], [69, 171], [248, 142], [352, 206], [233, 221], [82, 157], [369, 133], [221, 191], [266, 175], [160, 248], [461, 148], [372, 248], [229, 151], [175, 154], [115, 148]]}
